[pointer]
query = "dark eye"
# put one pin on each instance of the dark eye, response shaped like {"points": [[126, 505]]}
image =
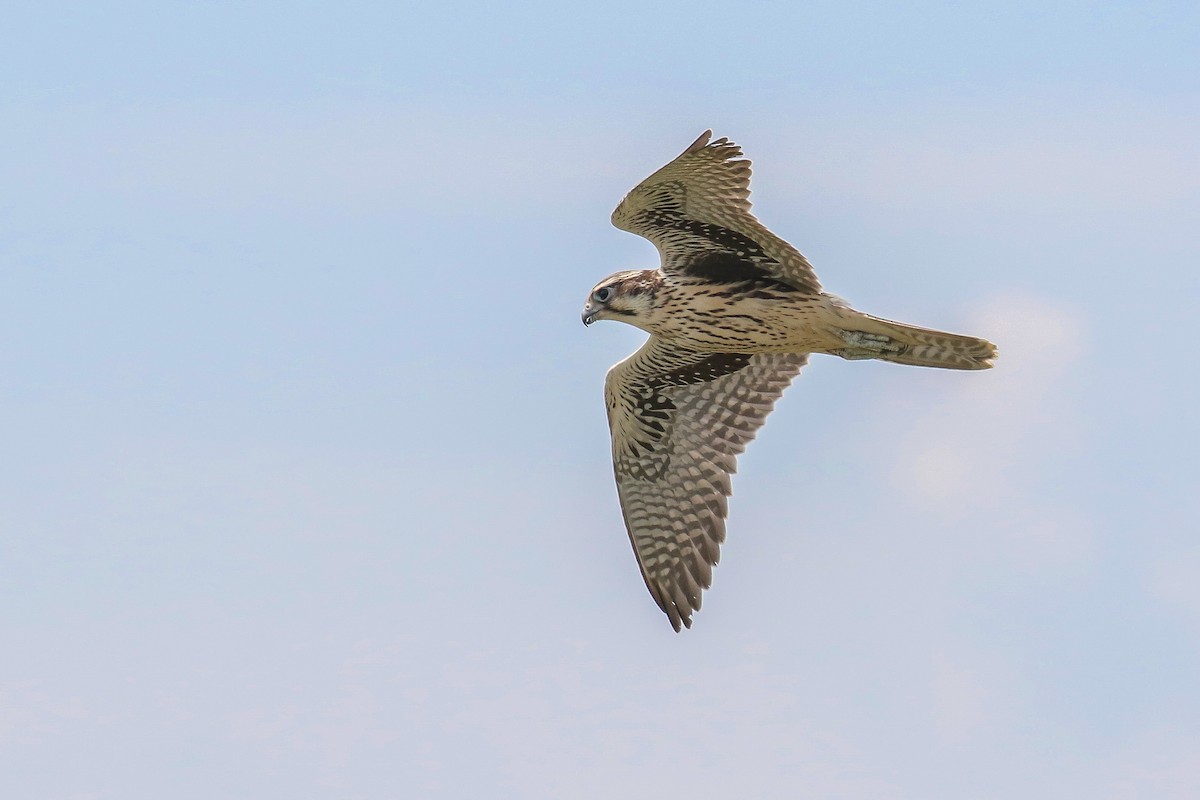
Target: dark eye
{"points": [[602, 295]]}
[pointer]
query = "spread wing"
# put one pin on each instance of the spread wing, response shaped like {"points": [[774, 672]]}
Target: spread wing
{"points": [[679, 419], [696, 211]]}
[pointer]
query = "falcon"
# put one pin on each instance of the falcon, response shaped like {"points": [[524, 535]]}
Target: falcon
{"points": [[733, 313]]}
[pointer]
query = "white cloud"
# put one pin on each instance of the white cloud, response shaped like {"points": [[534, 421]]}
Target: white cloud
{"points": [[970, 442], [1163, 764], [1173, 580], [969, 699], [990, 444]]}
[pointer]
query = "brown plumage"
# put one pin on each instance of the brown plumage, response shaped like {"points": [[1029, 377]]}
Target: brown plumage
{"points": [[733, 313]]}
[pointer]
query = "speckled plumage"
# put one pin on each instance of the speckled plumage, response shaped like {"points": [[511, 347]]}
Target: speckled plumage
{"points": [[733, 313]]}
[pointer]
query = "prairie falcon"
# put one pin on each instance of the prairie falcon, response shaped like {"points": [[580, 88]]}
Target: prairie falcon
{"points": [[733, 313]]}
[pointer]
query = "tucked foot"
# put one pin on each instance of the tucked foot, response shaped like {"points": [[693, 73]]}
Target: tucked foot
{"points": [[861, 345]]}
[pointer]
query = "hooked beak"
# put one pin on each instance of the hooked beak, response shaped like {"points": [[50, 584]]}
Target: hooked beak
{"points": [[589, 314]]}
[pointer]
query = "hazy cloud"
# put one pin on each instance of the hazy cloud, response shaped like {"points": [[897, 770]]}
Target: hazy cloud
{"points": [[971, 448]]}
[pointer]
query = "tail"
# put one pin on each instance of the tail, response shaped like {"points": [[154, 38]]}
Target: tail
{"points": [[871, 337]]}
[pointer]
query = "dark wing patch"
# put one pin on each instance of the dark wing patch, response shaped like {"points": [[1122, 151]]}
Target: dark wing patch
{"points": [[708, 367], [697, 206], [721, 254], [724, 267], [644, 455], [679, 419]]}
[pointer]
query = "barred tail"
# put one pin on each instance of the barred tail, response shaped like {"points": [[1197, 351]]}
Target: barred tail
{"points": [[872, 337]]}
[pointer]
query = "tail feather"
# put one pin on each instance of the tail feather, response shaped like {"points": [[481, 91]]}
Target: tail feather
{"points": [[872, 337]]}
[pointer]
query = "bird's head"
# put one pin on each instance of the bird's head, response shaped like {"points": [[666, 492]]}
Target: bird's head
{"points": [[626, 296]]}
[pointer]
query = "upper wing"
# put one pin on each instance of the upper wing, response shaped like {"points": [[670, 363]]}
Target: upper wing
{"points": [[679, 419], [696, 211]]}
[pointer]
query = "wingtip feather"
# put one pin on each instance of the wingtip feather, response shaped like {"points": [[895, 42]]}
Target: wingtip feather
{"points": [[700, 143]]}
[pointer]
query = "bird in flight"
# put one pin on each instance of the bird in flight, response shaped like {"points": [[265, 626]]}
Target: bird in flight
{"points": [[733, 313]]}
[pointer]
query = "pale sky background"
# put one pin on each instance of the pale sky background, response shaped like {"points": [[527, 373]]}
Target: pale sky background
{"points": [[306, 489]]}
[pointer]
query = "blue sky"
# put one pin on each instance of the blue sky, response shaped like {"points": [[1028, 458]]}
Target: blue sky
{"points": [[308, 493]]}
